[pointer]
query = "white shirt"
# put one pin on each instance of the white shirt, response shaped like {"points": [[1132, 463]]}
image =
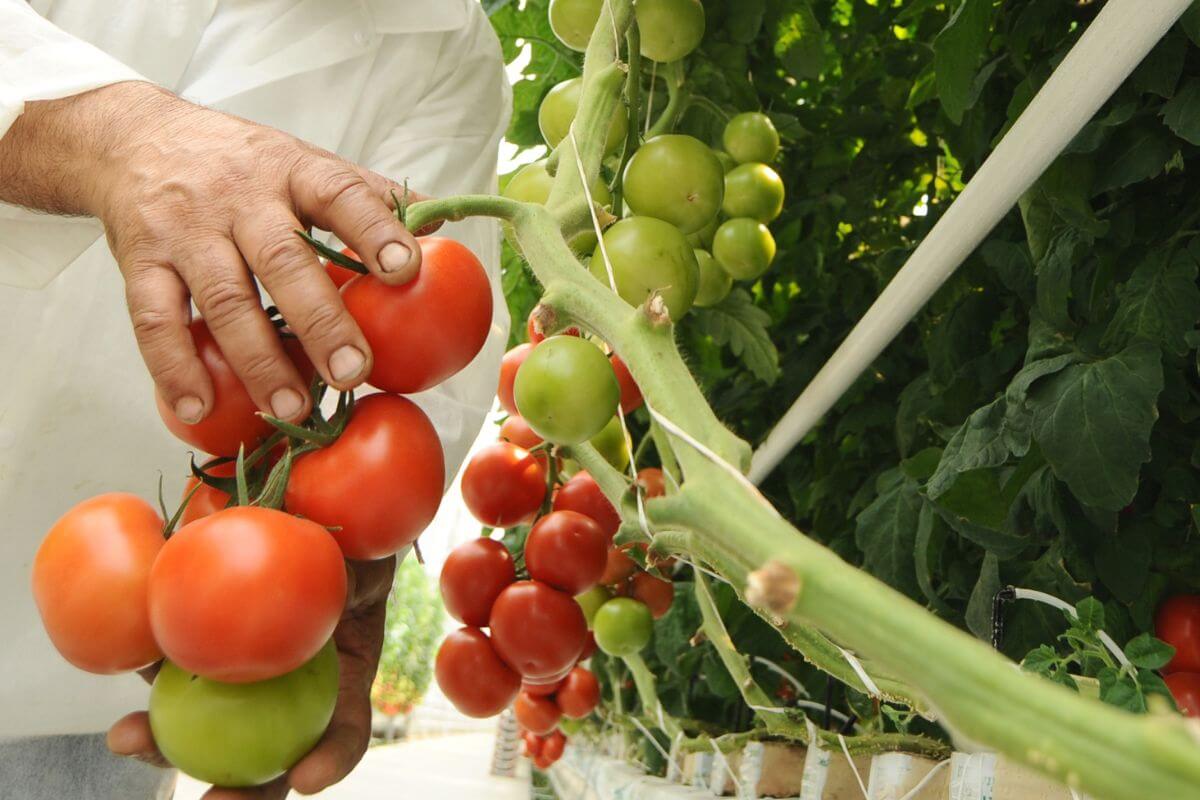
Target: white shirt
{"points": [[408, 88]]}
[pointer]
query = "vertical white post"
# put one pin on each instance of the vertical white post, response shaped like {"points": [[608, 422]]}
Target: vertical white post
{"points": [[1116, 42]]}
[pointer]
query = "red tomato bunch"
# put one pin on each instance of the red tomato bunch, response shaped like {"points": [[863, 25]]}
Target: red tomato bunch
{"points": [[539, 710], [243, 599], [1178, 624]]}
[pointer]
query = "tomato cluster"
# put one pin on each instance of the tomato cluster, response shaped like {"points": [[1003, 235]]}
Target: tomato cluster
{"points": [[241, 602], [1178, 624]]}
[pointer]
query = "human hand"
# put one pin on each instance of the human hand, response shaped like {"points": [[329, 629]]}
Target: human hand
{"points": [[359, 638], [196, 205]]}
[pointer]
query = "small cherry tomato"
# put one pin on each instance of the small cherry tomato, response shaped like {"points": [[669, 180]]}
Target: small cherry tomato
{"points": [[579, 694], [656, 593], [553, 746], [543, 688], [623, 626], [536, 713], [533, 744], [583, 494], [472, 578], [472, 676], [652, 482], [509, 365], [618, 567], [503, 485], [1185, 688], [516, 430], [1178, 624], [566, 390], [537, 630], [566, 550], [588, 648], [631, 395]]}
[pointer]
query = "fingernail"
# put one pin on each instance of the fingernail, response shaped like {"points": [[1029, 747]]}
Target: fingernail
{"points": [[189, 410], [394, 257], [286, 404], [346, 363]]}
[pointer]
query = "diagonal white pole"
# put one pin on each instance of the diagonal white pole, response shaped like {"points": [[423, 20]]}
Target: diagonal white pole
{"points": [[1117, 40]]}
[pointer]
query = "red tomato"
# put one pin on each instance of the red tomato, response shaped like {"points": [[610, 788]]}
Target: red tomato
{"points": [[423, 332], [1185, 688], [589, 647], [656, 593], [566, 550], [509, 365], [340, 275], [535, 334], [233, 419], [380, 483], [1178, 624], [503, 485], [533, 744], [583, 494], [90, 578], [543, 688], [472, 578], [579, 695], [537, 630], [516, 430], [631, 395], [246, 594], [536, 714], [618, 567], [472, 676], [553, 746], [652, 481], [542, 761], [207, 499]]}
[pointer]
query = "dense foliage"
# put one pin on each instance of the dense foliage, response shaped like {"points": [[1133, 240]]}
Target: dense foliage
{"points": [[1031, 426]]}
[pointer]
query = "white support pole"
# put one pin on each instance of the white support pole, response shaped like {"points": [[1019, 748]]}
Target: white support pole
{"points": [[1116, 42]]}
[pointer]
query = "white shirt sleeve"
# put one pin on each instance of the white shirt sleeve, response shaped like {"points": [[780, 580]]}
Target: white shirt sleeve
{"points": [[41, 62], [448, 144]]}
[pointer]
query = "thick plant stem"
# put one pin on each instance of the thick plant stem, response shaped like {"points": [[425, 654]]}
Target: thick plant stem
{"points": [[676, 102]]}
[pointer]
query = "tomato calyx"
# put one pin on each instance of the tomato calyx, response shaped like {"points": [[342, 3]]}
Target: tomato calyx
{"points": [[335, 256]]}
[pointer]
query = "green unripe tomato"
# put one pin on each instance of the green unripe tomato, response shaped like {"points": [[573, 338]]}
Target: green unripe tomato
{"points": [[622, 626], [715, 282], [649, 255], [614, 444], [670, 29], [242, 734], [566, 390], [753, 190], [591, 600], [571, 727], [751, 137], [702, 238], [744, 248], [558, 112], [532, 184], [677, 179], [574, 20]]}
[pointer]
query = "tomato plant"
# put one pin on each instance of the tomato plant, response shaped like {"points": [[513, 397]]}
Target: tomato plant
{"points": [[715, 283], [657, 594], [622, 626], [1178, 624], [509, 365], [618, 566], [744, 248], [566, 550], [472, 578], [631, 396], [754, 191], [242, 734], [573, 20], [649, 256], [579, 694], [379, 484], [503, 485], [751, 137], [246, 594], [676, 179], [91, 579], [450, 293], [537, 630], [581, 493], [670, 29], [536, 713], [472, 675], [1185, 688], [566, 390], [517, 431]]}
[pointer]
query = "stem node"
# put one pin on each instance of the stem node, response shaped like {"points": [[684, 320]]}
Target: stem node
{"points": [[775, 587]]}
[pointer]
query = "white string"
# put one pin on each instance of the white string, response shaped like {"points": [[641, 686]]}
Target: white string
{"points": [[1062, 605], [699, 568], [587, 193], [674, 770], [654, 741], [853, 766], [721, 757], [1074, 795], [911, 793], [856, 665], [789, 677]]}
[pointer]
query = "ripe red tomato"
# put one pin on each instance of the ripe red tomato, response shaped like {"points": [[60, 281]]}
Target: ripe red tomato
{"points": [[537, 630], [537, 714], [553, 746], [534, 333], [90, 578], [516, 430], [656, 593], [618, 567], [579, 694], [509, 365], [652, 481], [472, 578], [451, 294], [1185, 688], [533, 744], [631, 395], [1178, 624], [583, 494], [207, 499], [588, 648], [503, 485], [472, 676], [246, 594], [380, 482], [340, 275], [543, 688], [542, 761], [233, 419], [566, 550]]}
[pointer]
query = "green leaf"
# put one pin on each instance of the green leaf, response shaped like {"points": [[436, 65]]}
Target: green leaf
{"points": [[1054, 273], [1090, 614], [956, 55], [1041, 660], [737, 322], [1190, 22], [1120, 690], [987, 439], [1182, 112], [929, 541], [745, 20], [1160, 70], [979, 607], [1123, 563], [1135, 154], [799, 42], [1093, 423], [1148, 653], [1159, 303], [886, 532], [976, 507]]}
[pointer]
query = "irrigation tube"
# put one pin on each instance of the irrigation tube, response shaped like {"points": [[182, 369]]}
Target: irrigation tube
{"points": [[1116, 42]]}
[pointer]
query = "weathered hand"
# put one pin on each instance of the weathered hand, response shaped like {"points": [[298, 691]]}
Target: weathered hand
{"points": [[197, 204], [359, 637]]}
